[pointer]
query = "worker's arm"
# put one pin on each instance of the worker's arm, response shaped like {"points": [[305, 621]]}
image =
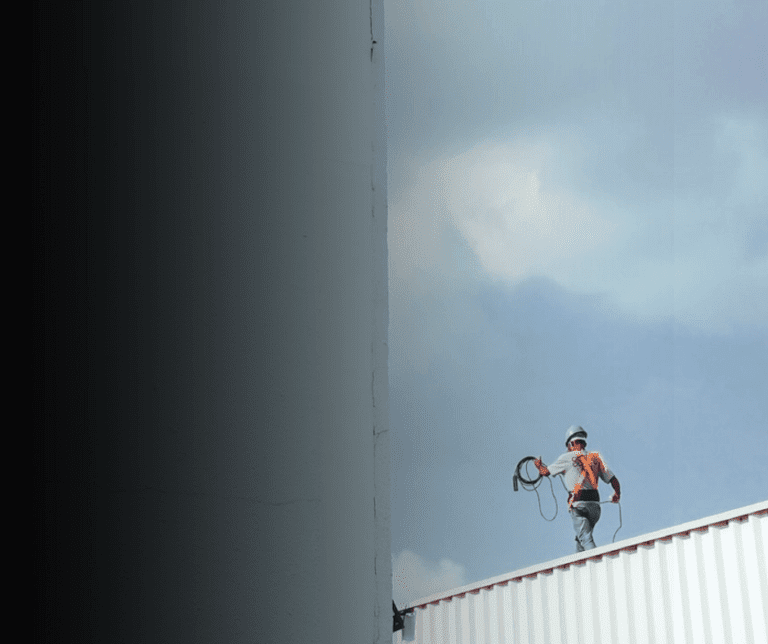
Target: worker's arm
{"points": [[617, 489], [541, 467]]}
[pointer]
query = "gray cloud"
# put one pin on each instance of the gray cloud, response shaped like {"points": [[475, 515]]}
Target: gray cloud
{"points": [[578, 234]]}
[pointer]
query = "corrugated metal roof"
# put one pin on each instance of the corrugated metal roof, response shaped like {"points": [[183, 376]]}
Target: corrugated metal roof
{"points": [[702, 581]]}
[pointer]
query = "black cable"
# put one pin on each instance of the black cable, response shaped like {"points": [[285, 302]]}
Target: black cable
{"points": [[520, 477], [533, 484]]}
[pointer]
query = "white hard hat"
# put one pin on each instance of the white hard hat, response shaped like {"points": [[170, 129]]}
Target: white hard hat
{"points": [[575, 432]]}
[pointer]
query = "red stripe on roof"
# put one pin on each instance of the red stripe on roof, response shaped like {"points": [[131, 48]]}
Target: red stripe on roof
{"points": [[581, 562]]}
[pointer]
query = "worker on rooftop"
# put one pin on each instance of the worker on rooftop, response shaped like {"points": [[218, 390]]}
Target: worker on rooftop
{"points": [[581, 470]]}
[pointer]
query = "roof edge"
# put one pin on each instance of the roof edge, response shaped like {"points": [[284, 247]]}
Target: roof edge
{"points": [[631, 544]]}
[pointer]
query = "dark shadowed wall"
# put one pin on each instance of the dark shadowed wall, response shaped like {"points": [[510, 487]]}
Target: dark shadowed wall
{"points": [[213, 446]]}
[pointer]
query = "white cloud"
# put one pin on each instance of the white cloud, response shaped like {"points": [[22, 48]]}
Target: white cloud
{"points": [[518, 227], [696, 258], [417, 225], [414, 577]]}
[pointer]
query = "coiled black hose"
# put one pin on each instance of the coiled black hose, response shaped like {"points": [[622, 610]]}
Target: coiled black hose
{"points": [[533, 484], [519, 477]]}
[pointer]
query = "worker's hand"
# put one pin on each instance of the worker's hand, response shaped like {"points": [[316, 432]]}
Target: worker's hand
{"points": [[541, 467], [615, 498]]}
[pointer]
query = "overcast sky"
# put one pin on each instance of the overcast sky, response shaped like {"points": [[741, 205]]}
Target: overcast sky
{"points": [[578, 234]]}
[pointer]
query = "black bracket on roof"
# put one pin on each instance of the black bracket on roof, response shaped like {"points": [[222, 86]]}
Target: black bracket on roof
{"points": [[398, 623]]}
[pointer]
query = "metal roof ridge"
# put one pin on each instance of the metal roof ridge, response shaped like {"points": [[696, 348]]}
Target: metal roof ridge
{"points": [[631, 544]]}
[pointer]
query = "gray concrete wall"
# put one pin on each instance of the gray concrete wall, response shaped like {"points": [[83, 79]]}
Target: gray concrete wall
{"points": [[215, 448]]}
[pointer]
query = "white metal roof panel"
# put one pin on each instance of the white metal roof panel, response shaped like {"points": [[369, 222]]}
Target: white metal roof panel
{"points": [[702, 581]]}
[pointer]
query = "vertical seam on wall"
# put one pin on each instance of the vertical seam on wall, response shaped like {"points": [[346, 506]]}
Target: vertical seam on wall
{"points": [[762, 574], [705, 608], [485, 594], [528, 609], [579, 573], [465, 621], [684, 597], [595, 593], [471, 617], [666, 588], [444, 613], [457, 608], [500, 615], [647, 587], [723, 590], [612, 617], [542, 581], [514, 591], [561, 606], [628, 590], [749, 629]]}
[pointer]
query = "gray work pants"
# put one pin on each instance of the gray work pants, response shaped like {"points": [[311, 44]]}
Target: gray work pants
{"points": [[585, 514]]}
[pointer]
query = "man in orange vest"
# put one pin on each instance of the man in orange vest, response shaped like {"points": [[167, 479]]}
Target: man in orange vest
{"points": [[581, 471]]}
